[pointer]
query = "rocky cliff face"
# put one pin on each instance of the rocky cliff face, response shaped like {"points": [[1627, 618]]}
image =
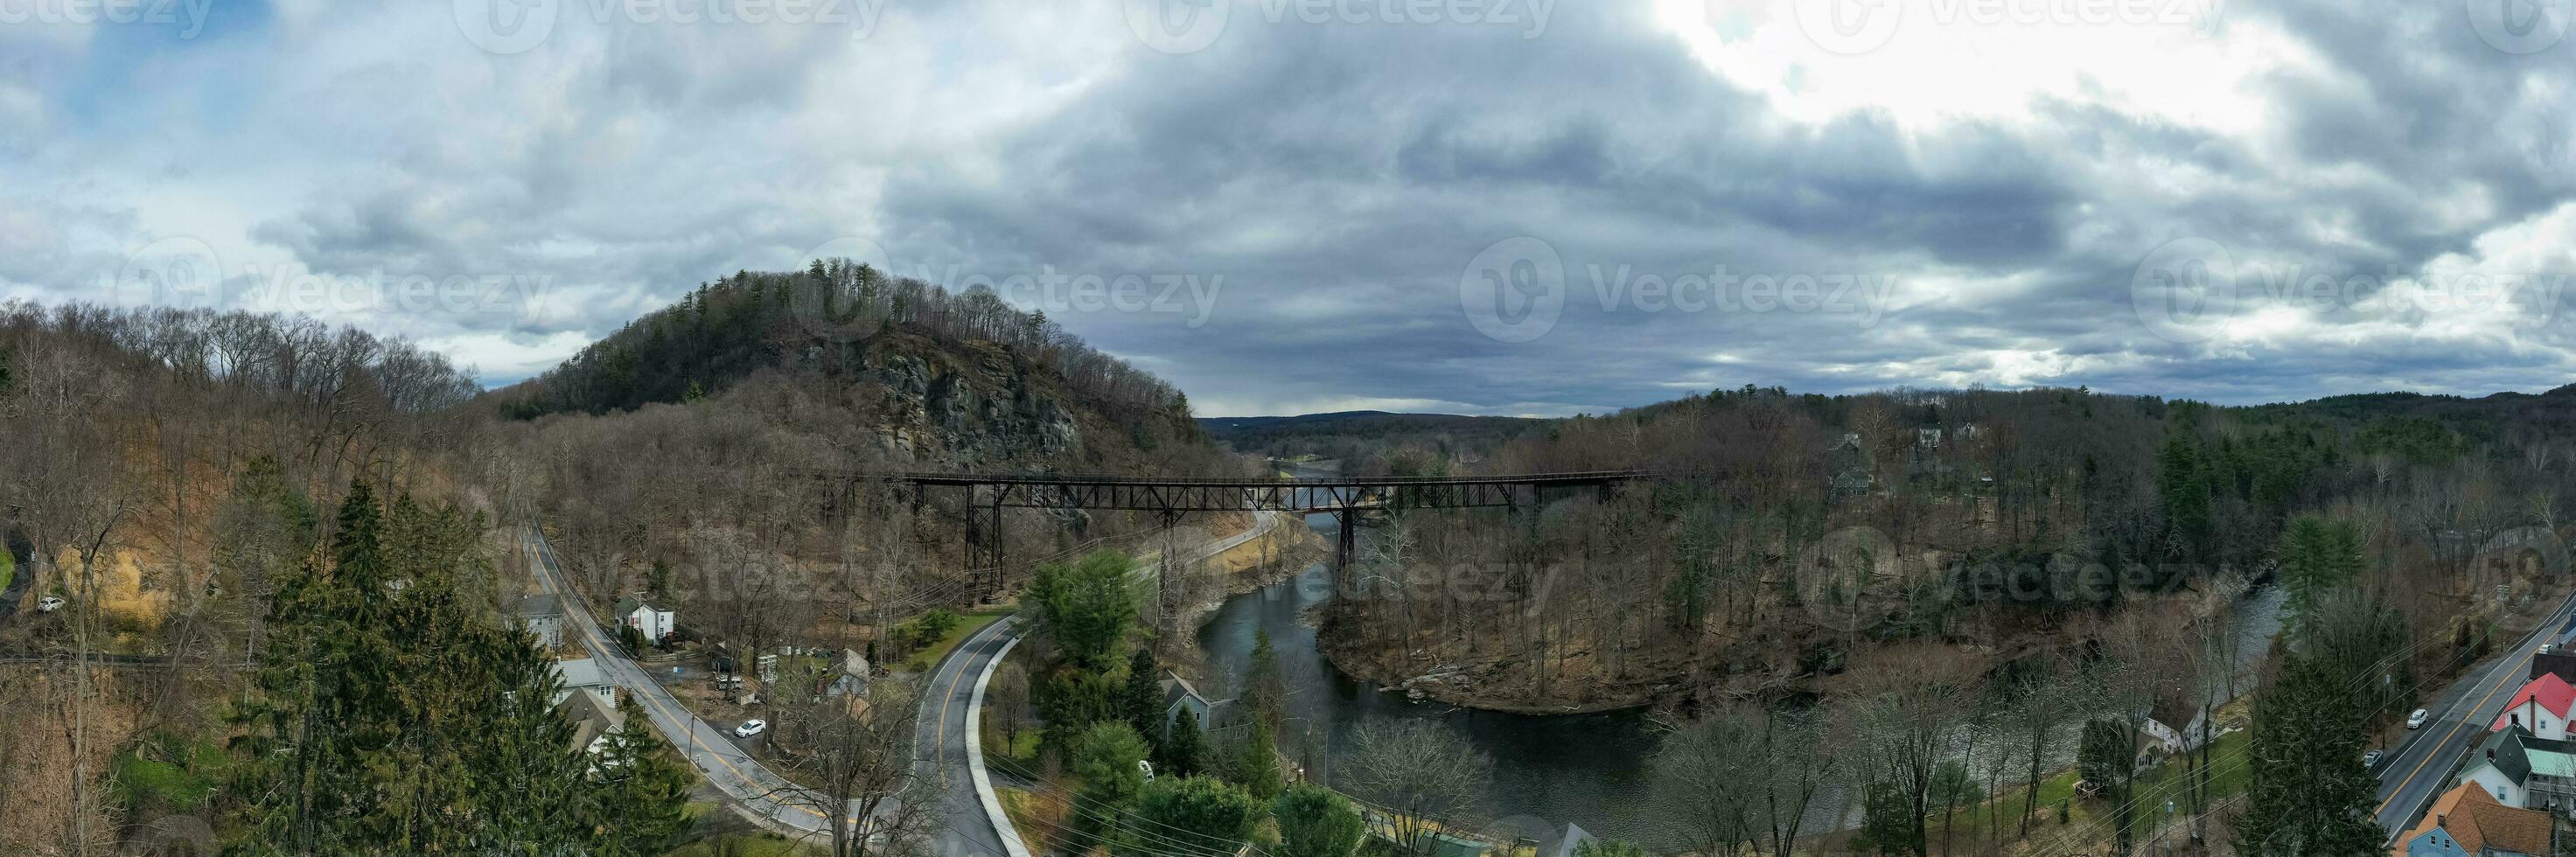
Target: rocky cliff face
{"points": [[981, 409]]}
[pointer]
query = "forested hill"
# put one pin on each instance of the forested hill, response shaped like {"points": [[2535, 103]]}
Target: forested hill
{"points": [[941, 377], [1364, 435]]}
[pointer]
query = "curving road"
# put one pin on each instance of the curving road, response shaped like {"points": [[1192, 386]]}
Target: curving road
{"points": [[946, 724], [957, 691]]}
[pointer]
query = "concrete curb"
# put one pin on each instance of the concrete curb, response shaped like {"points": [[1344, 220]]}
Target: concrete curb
{"points": [[1002, 827]]}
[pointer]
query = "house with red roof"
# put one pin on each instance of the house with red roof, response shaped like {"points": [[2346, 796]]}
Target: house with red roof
{"points": [[2541, 708]]}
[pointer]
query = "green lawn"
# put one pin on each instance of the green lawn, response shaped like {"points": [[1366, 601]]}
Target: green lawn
{"points": [[181, 774], [1021, 754], [2227, 779], [749, 845], [930, 655]]}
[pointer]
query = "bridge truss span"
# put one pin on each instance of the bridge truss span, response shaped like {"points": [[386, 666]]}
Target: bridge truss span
{"points": [[1172, 497]]}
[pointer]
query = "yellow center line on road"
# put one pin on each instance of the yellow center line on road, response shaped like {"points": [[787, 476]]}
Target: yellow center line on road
{"points": [[951, 696], [2446, 736]]}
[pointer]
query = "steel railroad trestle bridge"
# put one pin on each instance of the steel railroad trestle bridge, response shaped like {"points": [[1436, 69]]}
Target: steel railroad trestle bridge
{"points": [[1344, 497]]}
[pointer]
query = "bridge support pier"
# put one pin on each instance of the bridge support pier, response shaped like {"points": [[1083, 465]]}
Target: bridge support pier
{"points": [[1346, 547]]}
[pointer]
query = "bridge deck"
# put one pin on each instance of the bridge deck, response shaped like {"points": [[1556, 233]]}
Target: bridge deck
{"points": [[1586, 477]]}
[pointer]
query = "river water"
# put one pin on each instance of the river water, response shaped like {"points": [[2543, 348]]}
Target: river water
{"points": [[1589, 769], [1548, 769]]}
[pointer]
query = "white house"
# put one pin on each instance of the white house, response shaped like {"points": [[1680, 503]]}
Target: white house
{"points": [[582, 675], [2541, 708], [655, 623], [2523, 770], [542, 616], [2175, 725]]}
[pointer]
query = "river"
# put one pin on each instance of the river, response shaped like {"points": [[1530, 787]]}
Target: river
{"points": [[1548, 769], [1590, 769]]}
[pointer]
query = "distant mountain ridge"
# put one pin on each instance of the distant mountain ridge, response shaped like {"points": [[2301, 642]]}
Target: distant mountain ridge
{"points": [[1359, 434]]}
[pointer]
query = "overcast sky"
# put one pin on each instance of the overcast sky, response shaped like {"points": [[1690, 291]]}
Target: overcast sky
{"points": [[1519, 207]]}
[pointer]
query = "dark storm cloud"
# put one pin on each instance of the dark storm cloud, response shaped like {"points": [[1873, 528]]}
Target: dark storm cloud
{"points": [[1320, 191]]}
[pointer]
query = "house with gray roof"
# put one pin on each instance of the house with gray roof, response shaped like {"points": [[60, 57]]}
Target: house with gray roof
{"points": [[582, 675], [542, 616], [2523, 770], [1212, 714]]}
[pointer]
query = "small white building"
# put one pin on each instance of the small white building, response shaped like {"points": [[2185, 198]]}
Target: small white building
{"points": [[2175, 725], [655, 623], [583, 675], [542, 617]]}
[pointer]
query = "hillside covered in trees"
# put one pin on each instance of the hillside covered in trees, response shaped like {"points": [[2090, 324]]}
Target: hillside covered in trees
{"points": [[908, 356], [1790, 539], [1365, 436], [759, 397]]}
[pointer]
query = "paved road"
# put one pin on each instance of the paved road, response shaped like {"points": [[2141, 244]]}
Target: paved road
{"points": [[951, 697], [2460, 717], [943, 726], [942, 723], [711, 750]]}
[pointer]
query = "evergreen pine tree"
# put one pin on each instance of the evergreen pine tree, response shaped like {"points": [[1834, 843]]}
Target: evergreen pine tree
{"points": [[1256, 763], [1140, 700], [1179, 755], [2309, 793], [1265, 691], [2316, 555]]}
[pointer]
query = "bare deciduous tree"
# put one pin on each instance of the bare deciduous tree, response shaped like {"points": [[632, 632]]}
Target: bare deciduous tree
{"points": [[1421, 773]]}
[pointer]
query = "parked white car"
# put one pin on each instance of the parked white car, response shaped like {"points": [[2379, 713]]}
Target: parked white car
{"points": [[750, 728], [2417, 719], [48, 604]]}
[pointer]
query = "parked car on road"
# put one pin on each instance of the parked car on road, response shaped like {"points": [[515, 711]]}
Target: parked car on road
{"points": [[750, 728], [48, 604], [2417, 719], [2370, 760]]}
